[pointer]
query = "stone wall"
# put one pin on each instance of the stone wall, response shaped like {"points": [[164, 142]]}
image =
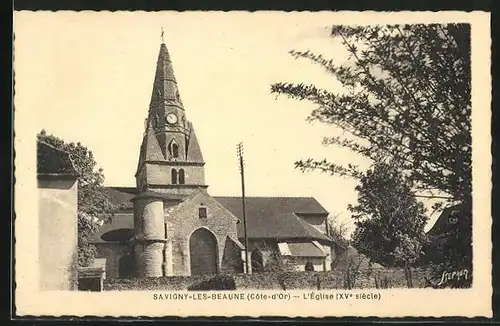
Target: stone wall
{"points": [[112, 252], [186, 220], [150, 234], [149, 259], [161, 174], [299, 263], [266, 247], [58, 222]]}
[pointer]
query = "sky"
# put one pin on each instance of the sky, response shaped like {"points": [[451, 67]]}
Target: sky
{"points": [[89, 78]]}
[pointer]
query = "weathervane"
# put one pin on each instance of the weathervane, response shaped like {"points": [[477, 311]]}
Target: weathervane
{"points": [[162, 32]]}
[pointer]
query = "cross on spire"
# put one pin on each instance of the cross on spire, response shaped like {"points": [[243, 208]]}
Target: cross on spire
{"points": [[162, 32]]}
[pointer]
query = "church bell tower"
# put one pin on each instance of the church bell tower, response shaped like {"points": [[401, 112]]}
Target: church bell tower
{"points": [[170, 159]]}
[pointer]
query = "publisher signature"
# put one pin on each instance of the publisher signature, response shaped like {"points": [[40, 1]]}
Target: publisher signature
{"points": [[454, 275]]}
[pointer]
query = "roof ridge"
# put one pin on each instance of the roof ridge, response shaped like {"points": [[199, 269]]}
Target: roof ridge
{"points": [[310, 197], [308, 227]]}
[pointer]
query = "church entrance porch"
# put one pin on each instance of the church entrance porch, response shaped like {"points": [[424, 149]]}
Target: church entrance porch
{"points": [[203, 252]]}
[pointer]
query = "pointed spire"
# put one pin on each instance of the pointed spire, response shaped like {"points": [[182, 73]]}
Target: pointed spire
{"points": [[165, 89], [166, 125]]}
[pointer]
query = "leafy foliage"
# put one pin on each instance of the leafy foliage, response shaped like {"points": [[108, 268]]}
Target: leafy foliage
{"points": [[389, 219], [338, 229], [93, 203], [407, 99]]}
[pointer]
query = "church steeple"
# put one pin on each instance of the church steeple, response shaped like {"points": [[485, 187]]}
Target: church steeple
{"points": [[165, 89], [170, 146]]}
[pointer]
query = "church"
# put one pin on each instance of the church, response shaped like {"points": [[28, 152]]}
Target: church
{"points": [[169, 224]]}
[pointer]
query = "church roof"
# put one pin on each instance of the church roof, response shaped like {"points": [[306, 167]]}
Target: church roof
{"points": [[166, 98], [276, 217], [273, 205], [121, 196], [164, 68], [120, 227], [193, 147], [267, 217], [150, 149], [305, 249]]}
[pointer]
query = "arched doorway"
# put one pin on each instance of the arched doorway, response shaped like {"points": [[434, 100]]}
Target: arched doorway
{"points": [[126, 266], [203, 252], [257, 261]]}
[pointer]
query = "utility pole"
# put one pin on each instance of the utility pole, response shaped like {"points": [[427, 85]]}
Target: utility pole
{"points": [[242, 172]]}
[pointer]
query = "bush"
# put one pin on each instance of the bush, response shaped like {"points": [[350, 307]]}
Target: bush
{"points": [[289, 280], [169, 283], [218, 282]]}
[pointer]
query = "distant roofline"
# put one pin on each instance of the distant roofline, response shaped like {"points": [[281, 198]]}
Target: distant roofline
{"points": [[290, 238], [443, 212], [304, 197], [230, 196]]}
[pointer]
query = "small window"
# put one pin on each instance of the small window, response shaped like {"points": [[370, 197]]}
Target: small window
{"points": [[174, 176], [309, 267], [202, 212], [181, 177], [175, 150]]}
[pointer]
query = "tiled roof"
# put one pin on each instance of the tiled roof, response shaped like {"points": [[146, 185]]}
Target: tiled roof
{"points": [[193, 147], [442, 224], [276, 217], [153, 150], [280, 226], [272, 205], [267, 217], [121, 196], [305, 249], [53, 161], [120, 222]]}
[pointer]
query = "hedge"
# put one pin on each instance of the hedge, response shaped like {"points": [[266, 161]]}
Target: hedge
{"points": [[337, 279], [152, 283]]}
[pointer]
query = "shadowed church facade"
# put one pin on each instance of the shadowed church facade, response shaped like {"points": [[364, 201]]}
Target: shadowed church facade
{"points": [[169, 225]]}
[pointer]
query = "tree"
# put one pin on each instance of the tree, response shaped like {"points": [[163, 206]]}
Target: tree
{"points": [[94, 206], [389, 219], [338, 229], [406, 99]]}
